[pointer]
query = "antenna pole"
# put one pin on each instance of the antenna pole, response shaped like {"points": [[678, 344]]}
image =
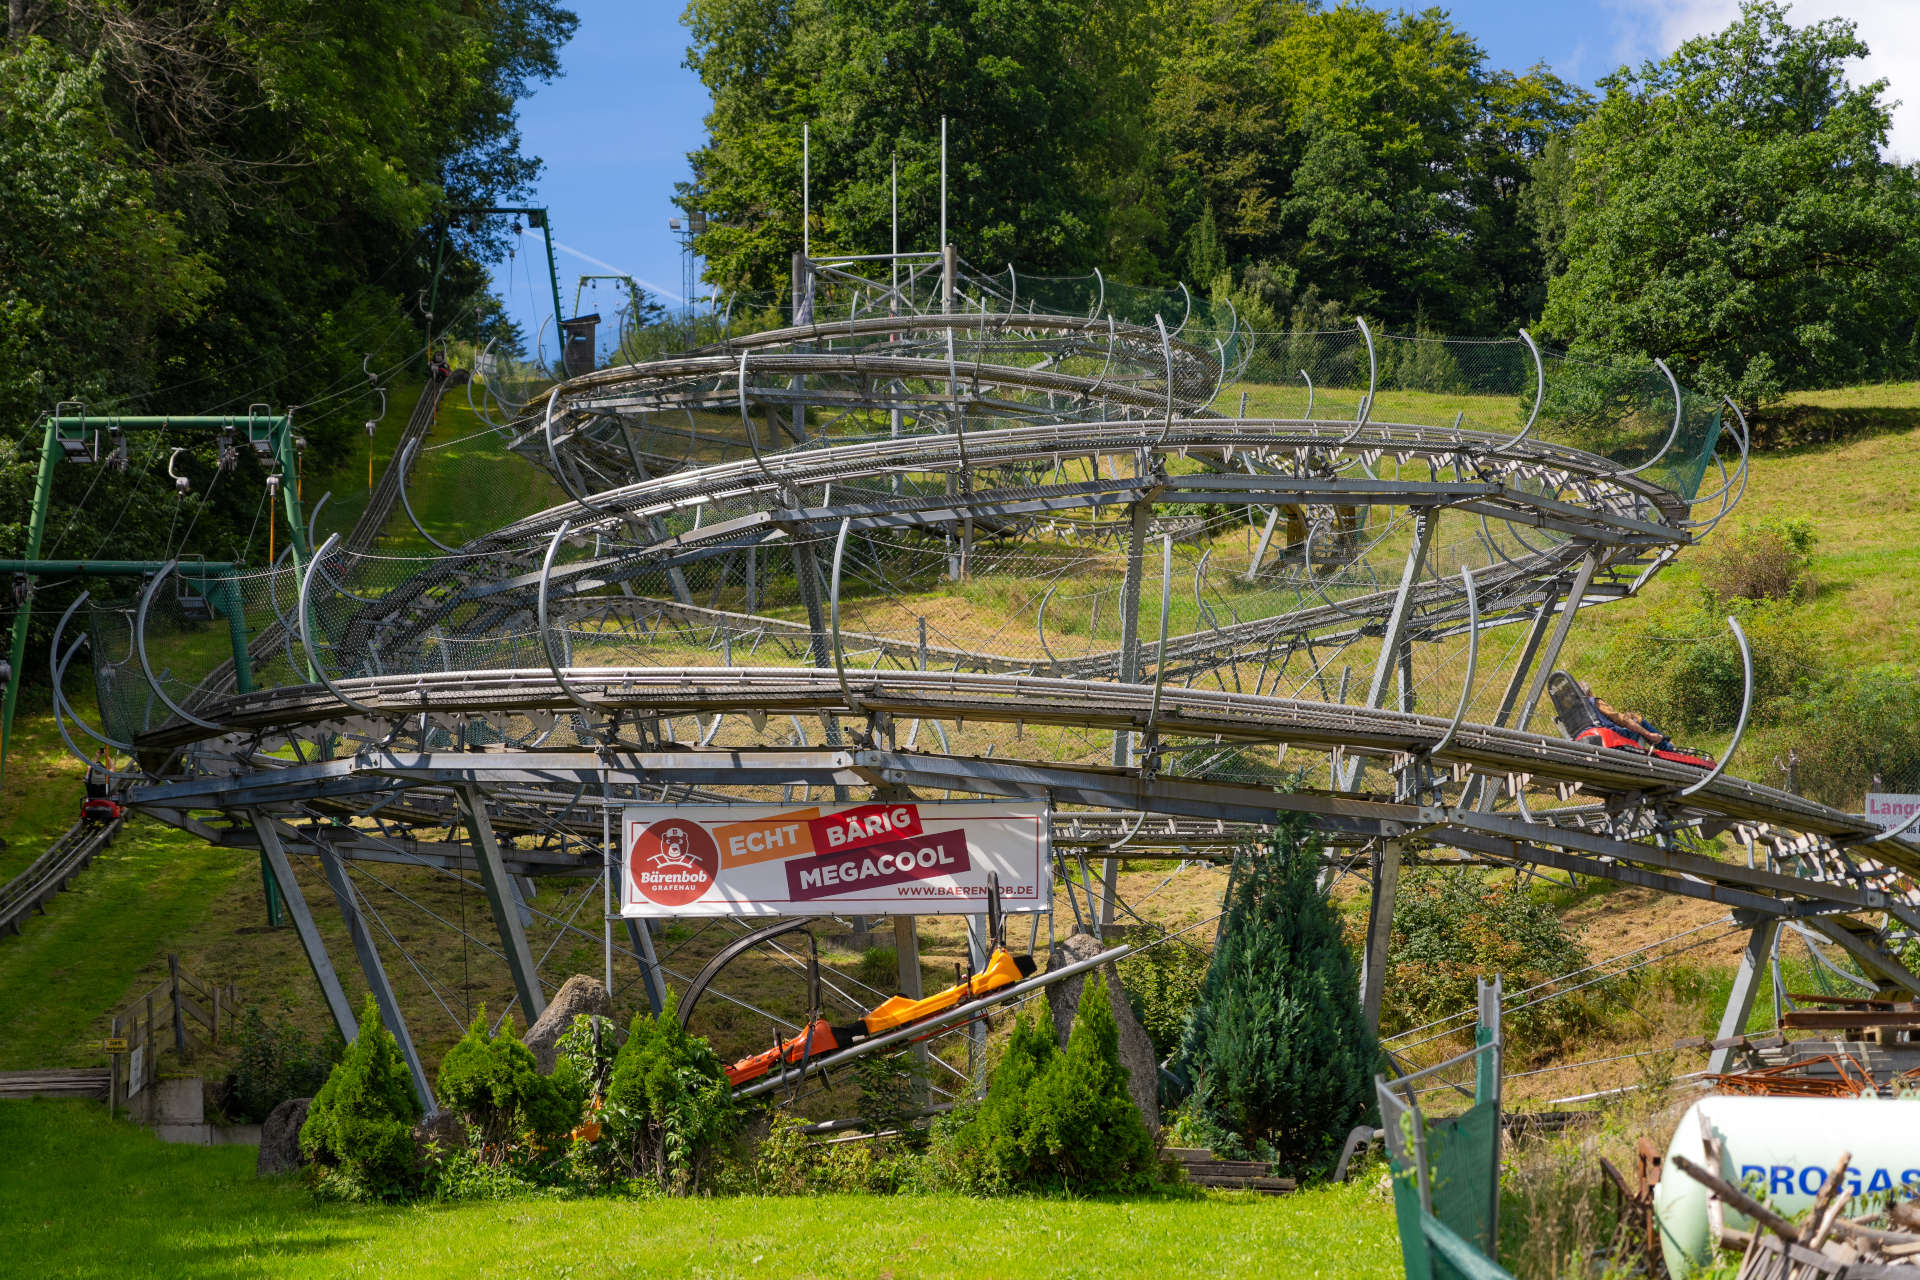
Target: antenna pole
{"points": [[806, 193], [943, 183]]}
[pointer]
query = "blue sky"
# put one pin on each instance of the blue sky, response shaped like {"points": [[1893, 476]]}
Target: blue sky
{"points": [[615, 129]]}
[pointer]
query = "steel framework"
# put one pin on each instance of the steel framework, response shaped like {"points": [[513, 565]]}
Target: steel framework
{"points": [[996, 536]]}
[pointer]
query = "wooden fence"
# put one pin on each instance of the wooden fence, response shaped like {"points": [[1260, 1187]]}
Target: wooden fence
{"points": [[181, 1012]]}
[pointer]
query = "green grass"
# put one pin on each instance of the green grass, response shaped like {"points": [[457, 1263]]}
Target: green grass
{"points": [[71, 967], [83, 1196]]}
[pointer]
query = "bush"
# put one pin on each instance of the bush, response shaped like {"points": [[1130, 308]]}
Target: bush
{"points": [[276, 1062], [1052, 1120], [668, 1106], [1453, 926], [790, 1163], [491, 1080], [1770, 560], [1163, 984], [1861, 728], [359, 1131], [879, 967], [1278, 1054], [892, 1089], [1082, 1132], [1681, 667]]}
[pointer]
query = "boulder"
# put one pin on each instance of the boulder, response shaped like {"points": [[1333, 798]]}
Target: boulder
{"points": [[577, 995], [1136, 1050], [280, 1137]]}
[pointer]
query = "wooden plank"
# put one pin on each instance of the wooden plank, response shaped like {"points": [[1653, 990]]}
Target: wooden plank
{"points": [[1850, 1020]]}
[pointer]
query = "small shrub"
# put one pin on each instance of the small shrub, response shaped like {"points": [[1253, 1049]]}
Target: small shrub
{"points": [[359, 1131], [1860, 727], [277, 1061], [1279, 1055], [492, 1082], [1681, 666], [1163, 984], [879, 967], [1052, 1120], [668, 1106], [1082, 1132], [1769, 560], [1453, 926]]}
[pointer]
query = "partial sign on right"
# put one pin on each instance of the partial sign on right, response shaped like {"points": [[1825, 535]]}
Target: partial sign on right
{"points": [[1890, 809]]}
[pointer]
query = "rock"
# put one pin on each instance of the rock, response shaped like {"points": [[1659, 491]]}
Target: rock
{"points": [[280, 1137], [577, 995], [1136, 1050], [444, 1128]]}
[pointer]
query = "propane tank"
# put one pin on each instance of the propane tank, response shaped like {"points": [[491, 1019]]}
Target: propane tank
{"points": [[1785, 1148]]}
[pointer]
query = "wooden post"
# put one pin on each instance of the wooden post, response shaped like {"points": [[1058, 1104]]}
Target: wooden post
{"points": [[213, 993], [179, 1020], [113, 1071]]}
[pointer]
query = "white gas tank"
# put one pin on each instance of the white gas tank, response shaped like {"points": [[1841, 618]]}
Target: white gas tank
{"points": [[1787, 1147]]}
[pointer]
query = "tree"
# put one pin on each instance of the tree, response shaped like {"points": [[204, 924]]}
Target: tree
{"points": [[1279, 1056], [1728, 209], [1053, 1119], [359, 1130], [1028, 89], [493, 1082]]}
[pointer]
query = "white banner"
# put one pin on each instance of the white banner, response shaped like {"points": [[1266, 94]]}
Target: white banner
{"points": [[1889, 809], [907, 858]]}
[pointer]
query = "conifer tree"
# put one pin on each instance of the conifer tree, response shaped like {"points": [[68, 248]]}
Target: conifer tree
{"points": [[1278, 1053]]}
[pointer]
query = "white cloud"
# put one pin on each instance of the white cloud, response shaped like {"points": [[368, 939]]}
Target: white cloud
{"points": [[1890, 28]]}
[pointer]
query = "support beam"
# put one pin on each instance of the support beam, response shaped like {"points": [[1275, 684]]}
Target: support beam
{"points": [[1138, 514], [1373, 960], [1753, 962], [1425, 521], [906, 947], [274, 853], [1260, 548], [1582, 579], [505, 903], [376, 973], [640, 935]]}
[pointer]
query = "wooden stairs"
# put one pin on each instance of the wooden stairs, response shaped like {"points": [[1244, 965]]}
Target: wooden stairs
{"points": [[1205, 1169]]}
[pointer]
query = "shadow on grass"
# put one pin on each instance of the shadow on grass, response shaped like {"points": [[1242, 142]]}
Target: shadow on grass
{"points": [[1789, 428]]}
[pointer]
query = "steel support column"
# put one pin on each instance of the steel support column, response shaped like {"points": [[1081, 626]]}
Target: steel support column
{"points": [[376, 973], [1733, 1020], [1424, 523], [1582, 579], [1373, 960], [1138, 514], [640, 934], [504, 902], [906, 948], [275, 855]]}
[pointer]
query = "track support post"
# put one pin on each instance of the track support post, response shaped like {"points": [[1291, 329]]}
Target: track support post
{"points": [[1138, 515], [1754, 961], [1373, 961], [376, 974], [273, 854], [504, 901]]}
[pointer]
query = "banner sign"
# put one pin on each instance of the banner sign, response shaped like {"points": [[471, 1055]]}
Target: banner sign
{"points": [[1887, 809], [907, 858]]}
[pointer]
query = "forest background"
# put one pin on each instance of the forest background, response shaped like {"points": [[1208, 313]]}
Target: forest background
{"points": [[211, 205]]}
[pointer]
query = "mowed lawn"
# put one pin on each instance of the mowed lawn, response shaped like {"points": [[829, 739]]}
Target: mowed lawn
{"points": [[81, 1195]]}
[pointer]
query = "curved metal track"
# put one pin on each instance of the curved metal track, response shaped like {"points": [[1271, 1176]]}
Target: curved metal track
{"points": [[678, 624]]}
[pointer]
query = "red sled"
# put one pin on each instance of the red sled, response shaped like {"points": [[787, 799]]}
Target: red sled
{"points": [[99, 810], [1582, 721]]}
